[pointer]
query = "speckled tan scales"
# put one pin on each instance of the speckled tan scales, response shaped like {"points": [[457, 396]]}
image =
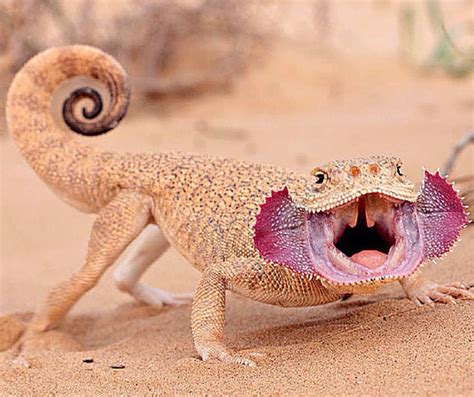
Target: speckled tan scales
{"points": [[204, 206]]}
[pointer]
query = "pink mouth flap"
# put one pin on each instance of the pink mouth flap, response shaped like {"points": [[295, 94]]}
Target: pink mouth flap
{"points": [[280, 235], [441, 213]]}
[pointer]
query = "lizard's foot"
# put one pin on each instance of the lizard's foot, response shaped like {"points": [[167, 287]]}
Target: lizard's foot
{"points": [[219, 351], [426, 292], [51, 340], [158, 297], [10, 331]]}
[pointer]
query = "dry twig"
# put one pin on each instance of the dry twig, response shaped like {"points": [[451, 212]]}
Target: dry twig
{"points": [[464, 183]]}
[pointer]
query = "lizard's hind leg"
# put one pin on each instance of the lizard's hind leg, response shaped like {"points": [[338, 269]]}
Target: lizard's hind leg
{"points": [[142, 252], [117, 224]]}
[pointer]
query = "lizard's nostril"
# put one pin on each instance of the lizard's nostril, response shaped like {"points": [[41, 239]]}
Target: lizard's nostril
{"points": [[374, 169], [355, 171]]}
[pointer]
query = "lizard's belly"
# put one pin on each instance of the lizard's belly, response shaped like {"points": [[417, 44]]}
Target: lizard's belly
{"points": [[180, 240], [74, 201], [269, 283], [206, 237]]}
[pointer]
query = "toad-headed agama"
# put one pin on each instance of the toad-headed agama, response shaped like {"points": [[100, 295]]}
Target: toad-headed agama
{"points": [[264, 232]]}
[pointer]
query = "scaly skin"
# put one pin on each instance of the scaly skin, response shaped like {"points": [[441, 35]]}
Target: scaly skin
{"points": [[205, 207]]}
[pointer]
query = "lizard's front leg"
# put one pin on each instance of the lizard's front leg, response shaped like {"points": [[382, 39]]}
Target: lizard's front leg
{"points": [[207, 316], [423, 291]]}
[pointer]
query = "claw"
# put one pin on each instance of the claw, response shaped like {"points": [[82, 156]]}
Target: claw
{"points": [[422, 291], [457, 284], [456, 292], [427, 300], [219, 351], [439, 297]]}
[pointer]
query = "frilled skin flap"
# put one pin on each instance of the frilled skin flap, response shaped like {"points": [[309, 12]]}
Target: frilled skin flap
{"points": [[280, 234], [441, 213]]}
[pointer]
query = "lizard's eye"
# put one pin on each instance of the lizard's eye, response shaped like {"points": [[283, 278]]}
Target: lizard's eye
{"points": [[320, 177], [399, 169]]}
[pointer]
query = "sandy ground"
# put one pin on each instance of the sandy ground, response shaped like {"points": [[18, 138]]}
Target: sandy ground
{"points": [[297, 110]]}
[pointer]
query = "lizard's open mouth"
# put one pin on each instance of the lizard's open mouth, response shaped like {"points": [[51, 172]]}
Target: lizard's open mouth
{"points": [[374, 236]]}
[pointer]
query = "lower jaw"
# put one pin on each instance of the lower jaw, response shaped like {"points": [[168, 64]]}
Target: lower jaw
{"points": [[346, 270], [360, 288]]}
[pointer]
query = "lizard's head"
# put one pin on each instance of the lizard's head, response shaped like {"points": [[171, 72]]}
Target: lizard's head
{"points": [[358, 222]]}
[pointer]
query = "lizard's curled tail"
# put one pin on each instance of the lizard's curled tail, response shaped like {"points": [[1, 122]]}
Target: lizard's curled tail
{"points": [[67, 166]]}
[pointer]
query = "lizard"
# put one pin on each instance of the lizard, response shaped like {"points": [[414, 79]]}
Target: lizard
{"points": [[267, 233]]}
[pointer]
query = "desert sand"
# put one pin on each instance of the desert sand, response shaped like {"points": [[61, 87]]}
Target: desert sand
{"points": [[298, 110]]}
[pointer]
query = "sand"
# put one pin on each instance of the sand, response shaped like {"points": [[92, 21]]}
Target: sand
{"points": [[297, 110]]}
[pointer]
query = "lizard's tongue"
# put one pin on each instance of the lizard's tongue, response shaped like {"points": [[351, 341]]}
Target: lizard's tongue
{"points": [[369, 258]]}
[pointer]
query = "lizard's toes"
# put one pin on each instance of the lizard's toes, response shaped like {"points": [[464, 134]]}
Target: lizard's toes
{"points": [[184, 298], [10, 331], [177, 299], [158, 297], [51, 340], [455, 290], [430, 292], [218, 351], [236, 359], [457, 284]]}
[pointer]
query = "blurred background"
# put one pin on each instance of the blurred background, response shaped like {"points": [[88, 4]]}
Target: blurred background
{"points": [[294, 83], [289, 82], [270, 56]]}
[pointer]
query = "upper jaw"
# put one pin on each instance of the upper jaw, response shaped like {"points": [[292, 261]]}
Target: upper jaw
{"points": [[327, 200]]}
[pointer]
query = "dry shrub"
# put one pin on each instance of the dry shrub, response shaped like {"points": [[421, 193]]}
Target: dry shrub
{"points": [[168, 47]]}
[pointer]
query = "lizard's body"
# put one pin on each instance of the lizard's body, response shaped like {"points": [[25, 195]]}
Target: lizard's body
{"points": [[207, 208]]}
